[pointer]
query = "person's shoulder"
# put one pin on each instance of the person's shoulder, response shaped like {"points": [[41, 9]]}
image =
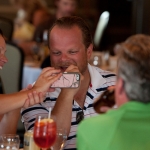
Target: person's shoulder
{"points": [[101, 78], [94, 122], [104, 73], [110, 77], [103, 119]]}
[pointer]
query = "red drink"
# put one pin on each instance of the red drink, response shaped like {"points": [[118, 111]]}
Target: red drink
{"points": [[45, 133]]}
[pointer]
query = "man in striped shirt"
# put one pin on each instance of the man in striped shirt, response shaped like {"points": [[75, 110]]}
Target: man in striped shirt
{"points": [[70, 44]]}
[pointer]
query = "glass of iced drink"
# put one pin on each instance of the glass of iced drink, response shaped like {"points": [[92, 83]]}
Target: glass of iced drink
{"points": [[44, 133]]}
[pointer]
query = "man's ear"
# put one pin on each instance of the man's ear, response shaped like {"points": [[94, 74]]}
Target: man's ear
{"points": [[121, 97], [120, 86], [89, 51]]}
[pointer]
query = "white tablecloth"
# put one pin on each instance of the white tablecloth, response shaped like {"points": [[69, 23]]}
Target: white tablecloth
{"points": [[30, 75]]}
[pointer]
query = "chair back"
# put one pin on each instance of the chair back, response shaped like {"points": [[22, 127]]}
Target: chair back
{"points": [[102, 23], [11, 74], [6, 25]]}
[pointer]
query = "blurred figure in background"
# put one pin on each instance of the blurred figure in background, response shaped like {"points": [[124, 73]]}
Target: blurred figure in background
{"points": [[63, 8], [126, 128], [30, 15]]}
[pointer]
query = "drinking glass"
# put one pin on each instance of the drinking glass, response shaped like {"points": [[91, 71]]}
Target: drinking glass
{"points": [[62, 137], [44, 133], [9, 141], [105, 58]]}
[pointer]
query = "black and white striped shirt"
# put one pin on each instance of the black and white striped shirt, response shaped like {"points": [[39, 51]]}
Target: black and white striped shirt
{"points": [[100, 81]]}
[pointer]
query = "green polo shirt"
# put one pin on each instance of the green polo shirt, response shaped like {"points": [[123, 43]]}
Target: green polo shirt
{"points": [[126, 128]]}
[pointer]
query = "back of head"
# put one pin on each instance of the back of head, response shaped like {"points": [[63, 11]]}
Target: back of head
{"points": [[134, 67], [69, 22]]}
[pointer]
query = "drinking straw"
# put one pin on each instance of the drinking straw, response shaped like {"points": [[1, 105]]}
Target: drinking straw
{"points": [[49, 113]]}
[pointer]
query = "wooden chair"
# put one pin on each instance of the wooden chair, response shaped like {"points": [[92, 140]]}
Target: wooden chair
{"points": [[11, 74]]}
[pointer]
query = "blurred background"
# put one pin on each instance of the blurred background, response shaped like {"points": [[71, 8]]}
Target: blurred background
{"points": [[110, 21], [126, 17]]}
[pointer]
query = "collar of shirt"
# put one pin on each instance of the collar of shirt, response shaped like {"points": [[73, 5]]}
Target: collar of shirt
{"points": [[96, 78], [96, 81]]}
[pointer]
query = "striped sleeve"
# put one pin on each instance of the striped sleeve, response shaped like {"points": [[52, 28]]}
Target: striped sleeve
{"points": [[30, 114], [110, 80]]}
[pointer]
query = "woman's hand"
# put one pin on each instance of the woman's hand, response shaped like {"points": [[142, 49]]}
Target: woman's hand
{"points": [[47, 77], [41, 86]]}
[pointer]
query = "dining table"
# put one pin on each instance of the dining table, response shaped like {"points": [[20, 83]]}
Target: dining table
{"points": [[31, 71], [104, 61]]}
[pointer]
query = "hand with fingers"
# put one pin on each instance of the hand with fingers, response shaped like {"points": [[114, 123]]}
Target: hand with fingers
{"points": [[41, 86], [48, 76], [73, 68], [106, 101], [33, 98]]}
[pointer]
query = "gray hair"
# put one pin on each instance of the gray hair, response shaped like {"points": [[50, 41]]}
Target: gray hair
{"points": [[134, 67]]}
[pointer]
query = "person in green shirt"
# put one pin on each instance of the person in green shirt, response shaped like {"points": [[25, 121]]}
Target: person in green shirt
{"points": [[128, 127]]}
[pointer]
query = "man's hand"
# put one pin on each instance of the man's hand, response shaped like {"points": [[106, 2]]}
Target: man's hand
{"points": [[106, 101], [104, 109], [33, 98], [72, 91]]}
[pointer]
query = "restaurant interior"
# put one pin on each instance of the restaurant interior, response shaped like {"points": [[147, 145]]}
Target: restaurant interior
{"points": [[110, 22], [126, 17]]}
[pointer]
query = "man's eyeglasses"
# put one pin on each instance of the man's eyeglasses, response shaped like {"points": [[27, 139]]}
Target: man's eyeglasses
{"points": [[79, 116]]}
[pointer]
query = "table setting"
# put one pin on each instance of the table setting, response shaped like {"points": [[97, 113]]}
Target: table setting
{"points": [[104, 61], [44, 136]]}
